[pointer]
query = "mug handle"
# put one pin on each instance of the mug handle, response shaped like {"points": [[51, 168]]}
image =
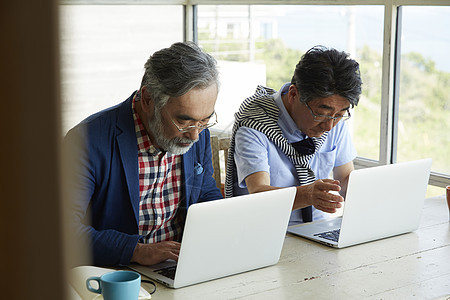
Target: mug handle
{"points": [[90, 288]]}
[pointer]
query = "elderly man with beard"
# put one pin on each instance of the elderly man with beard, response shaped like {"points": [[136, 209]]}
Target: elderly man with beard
{"points": [[141, 163]]}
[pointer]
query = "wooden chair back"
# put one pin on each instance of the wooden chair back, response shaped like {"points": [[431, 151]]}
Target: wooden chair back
{"points": [[218, 145]]}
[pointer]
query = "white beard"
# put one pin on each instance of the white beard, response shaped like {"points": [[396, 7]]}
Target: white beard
{"points": [[169, 145]]}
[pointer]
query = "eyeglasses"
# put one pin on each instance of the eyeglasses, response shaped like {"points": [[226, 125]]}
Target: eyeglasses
{"points": [[324, 118], [212, 121]]}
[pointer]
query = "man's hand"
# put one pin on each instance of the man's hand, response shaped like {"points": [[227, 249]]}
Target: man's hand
{"points": [[150, 254], [318, 194]]}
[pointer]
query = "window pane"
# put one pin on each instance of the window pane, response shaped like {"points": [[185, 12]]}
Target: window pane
{"points": [[261, 44], [103, 51], [424, 105]]}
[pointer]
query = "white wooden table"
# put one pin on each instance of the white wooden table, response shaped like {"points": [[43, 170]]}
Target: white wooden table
{"points": [[410, 266]]}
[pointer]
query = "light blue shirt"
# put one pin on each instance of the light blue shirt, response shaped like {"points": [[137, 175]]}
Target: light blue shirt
{"points": [[254, 152]]}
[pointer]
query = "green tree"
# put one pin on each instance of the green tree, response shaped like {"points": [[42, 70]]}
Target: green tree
{"points": [[424, 112], [280, 61]]}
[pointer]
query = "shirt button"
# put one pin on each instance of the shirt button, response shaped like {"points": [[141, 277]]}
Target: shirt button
{"points": [[158, 221]]}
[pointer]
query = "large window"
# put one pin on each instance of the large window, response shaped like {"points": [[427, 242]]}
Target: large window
{"points": [[261, 44], [103, 51], [424, 102]]}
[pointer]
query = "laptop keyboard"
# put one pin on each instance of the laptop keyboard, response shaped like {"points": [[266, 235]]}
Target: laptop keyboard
{"points": [[168, 271], [332, 235]]}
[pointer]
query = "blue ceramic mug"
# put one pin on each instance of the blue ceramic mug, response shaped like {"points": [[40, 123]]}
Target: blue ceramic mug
{"points": [[117, 285]]}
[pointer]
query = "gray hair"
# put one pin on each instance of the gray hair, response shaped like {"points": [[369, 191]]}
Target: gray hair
{"points": [[174, 71]]}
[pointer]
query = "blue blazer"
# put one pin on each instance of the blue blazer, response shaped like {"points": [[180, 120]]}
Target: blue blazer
{"points": [[105, 186]]}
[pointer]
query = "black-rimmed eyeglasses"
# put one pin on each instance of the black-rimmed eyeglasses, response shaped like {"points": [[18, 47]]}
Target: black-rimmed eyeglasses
{"points": [[325, 118]]}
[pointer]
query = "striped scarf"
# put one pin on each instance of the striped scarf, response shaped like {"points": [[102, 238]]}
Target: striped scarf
{"points": [[260, 112]]}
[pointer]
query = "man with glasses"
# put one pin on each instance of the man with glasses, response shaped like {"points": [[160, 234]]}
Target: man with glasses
{"points": [[298, 136], [140, 164]]}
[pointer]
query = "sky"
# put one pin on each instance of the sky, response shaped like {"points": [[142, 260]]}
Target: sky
{"points": [[424, 29]]}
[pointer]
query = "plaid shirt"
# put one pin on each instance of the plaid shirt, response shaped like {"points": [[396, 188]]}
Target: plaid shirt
{"points": [[159, 189]]}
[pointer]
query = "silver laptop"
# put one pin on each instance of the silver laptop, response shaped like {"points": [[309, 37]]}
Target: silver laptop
{"points": [[381, 202], [226, 237]]}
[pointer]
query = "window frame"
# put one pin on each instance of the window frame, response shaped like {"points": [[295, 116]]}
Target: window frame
{"points": [[390, 57]]}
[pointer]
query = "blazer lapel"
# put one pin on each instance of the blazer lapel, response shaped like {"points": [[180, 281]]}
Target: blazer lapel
{"points": [[188, 162], [127, 143]]}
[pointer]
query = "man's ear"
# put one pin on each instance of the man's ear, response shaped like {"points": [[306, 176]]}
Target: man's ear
{"points": [[146, 101], [293, 94]]}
